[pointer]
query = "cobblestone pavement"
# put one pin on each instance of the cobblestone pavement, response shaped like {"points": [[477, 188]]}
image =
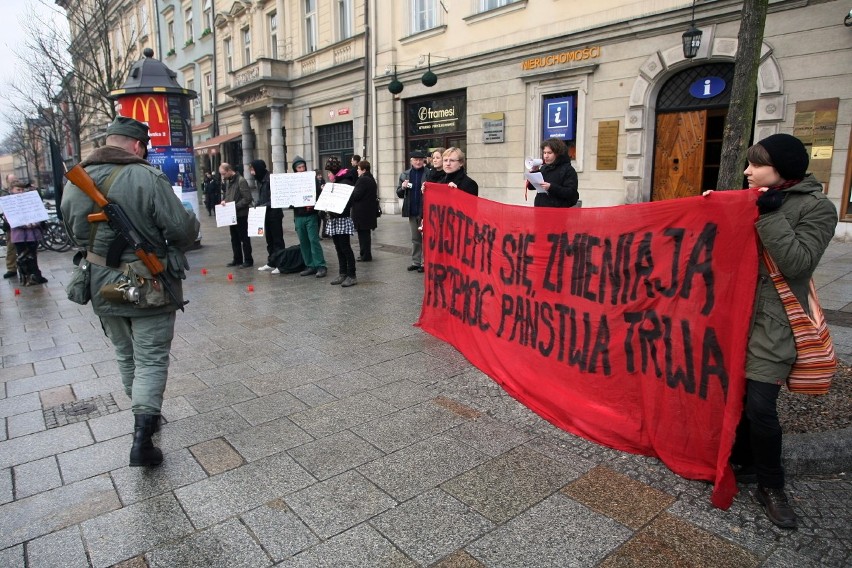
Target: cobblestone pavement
{"points": [[310, 425]]}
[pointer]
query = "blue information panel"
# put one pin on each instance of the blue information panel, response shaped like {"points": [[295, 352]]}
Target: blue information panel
{"points": [[558, 117]]}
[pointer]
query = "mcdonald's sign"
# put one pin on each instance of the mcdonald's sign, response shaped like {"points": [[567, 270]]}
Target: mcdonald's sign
{"points": [[153, 111]]}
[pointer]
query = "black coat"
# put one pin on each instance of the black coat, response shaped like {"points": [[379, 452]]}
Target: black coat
{"points": [[464, 183], [434, 175], [364, 206], [563, 184], [212, 192]]}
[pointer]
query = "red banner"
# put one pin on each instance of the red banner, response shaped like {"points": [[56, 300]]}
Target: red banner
{"points": [[625, 325]]}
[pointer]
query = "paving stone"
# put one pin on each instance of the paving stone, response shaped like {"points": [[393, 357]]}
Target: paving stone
{"points": [[332, 455], [410, 425], [295, 374], [3, 436], [40, 354], [106, 368], [174, 409], [403, 394], [6, 493], [16, 372], [227, 545], [136, 484], [227, 373], [200, 428], [56, 396], [216, 456], [89, 357], [135, 562], [27, 423], [56, 509], [43, 444], [268, 438], [217, 498], [224, 395], [459, 559], [63, 548], [421, 466], [672, 542], [269, 407], [49, 380], [356, 548], [140, 527], [431, 526], [190, 365], [337, 504], [95, 459], [48, 366], [19, 404], [489, 436], [351, 383], [96, 386], [281, 533], [112, 425], [555, 532], [36, 477], [13, 556], [312, 395], [786, 558], [340, 415]]}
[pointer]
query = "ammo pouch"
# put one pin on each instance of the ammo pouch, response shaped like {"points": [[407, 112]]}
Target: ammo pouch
{"points": [[149, 292], [79, 288]]}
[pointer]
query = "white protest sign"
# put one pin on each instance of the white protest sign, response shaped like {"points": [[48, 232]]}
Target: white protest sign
{"points": [[256, 222], [536, 179], [226, 214], [23, 208], [334, 197], [297, 189]]}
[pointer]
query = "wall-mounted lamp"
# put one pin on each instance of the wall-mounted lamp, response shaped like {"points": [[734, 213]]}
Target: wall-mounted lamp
{"points": [[691, 38], [395, 86], [429, 79]]}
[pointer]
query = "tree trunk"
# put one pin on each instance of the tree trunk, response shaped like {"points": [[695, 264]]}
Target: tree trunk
{"points": [[738, 123]]}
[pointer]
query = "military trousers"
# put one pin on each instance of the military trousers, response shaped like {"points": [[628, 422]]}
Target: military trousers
{"points": [[142, 346]]}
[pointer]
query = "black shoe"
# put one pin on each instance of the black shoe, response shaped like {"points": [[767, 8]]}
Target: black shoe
{"points": [[348, 281], [308, 271], [420, 269], [322, 271], [247, 264], [143, 453], [413, 267], [10, 274], [367, 259], [745, 474], [776, 506], [234, 263], [339, 280]]}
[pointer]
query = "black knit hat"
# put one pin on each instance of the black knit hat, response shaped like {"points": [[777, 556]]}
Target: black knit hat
{"points": [[299, 160], [788, 154]]}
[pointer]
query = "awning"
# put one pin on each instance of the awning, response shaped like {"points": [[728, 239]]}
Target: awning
{"points": [[216, 140]]}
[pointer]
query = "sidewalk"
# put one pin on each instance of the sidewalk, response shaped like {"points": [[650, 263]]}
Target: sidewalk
{"points": [[310, 425]]}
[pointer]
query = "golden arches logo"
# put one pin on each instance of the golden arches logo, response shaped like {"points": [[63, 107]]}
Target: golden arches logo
{"points": [[145, 104]]}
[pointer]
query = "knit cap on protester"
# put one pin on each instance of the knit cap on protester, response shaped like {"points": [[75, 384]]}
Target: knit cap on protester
{"points": [[789, 156], [259, 167], [299, 160]]}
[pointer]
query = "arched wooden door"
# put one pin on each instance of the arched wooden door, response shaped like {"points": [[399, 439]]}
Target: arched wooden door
{"points": [[679, 154]]}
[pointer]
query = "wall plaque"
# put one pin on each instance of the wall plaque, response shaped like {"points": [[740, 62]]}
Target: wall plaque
{"points": [[607, 144], [814, 124]]}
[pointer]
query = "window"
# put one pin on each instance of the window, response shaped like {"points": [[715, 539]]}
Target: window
{"points": [[143, 20], [170, 36], [187, 25], [246, 46], [344, 19], [485, 5], [310, 26], [208, 15], [273, 34], [189, 82], [208, 93], [424, 15], [228, 49]]}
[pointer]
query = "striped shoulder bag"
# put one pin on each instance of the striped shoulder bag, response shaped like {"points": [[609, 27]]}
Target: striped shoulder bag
{"points": [[816, 361]]}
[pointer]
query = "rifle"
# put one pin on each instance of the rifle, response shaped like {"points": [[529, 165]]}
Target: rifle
{"points": [[118, 220]]}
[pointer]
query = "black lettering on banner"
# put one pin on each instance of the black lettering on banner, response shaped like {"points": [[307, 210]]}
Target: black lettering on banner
{"points": [[516, 253], [601, 349], [712, 363], [555, 261], [467, 295], [615, 271], [647, 338], [701, 262], [644, 267], [456, 234], [677, 237], [676, 376]]}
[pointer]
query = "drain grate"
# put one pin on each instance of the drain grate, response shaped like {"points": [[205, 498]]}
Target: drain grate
{"points": [[80, 410]]}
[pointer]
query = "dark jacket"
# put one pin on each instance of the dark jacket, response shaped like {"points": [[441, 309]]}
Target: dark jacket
{"points": [[434, 175], [261, 176], [795, 236], [563, 184], [363, 202], [461, 179], [412, 198], [212, 192], [237, 190]]}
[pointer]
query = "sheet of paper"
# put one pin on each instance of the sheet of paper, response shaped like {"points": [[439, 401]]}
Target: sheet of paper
{"points": [[226, 214], [23, 208], [256, 221], [535, 178], [297, 189], [334, 197]]}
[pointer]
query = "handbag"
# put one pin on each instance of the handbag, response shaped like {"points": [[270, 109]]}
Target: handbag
{"points": [[816, 360], [378, 208]]}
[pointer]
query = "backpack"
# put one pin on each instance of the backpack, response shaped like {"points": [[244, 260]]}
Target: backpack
{"points": [[289, 260]]}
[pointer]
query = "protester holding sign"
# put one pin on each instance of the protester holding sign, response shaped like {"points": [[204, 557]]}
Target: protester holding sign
{"points": [[454, 172], [560, 178], [236, 190], [795, 225], [24, 239], [340, 227], [435, 171], [307, 228], [273, 230]]}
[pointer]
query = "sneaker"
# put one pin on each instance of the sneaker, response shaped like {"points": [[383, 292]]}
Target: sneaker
{"points": [[413, 267], [776, 506], [276, 271], [308, 271], [247, 265], [234, 263], [339, 280], [421, 270], [348, 281], [10, 274], [321, 272], [266, 268]]}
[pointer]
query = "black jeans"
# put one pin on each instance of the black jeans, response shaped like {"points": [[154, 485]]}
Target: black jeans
{"points": [[345, 255], [274, 233], [758, 439], [365, 240], [240, 241]]}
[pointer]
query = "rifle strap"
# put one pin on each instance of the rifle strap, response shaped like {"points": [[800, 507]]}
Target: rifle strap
{"points": [[93, 227]]}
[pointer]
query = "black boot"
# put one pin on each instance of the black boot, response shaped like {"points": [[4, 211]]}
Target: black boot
{"points": [[776, 506], [143, 452]]}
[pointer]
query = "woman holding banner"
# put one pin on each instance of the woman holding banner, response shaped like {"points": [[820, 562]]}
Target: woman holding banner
{"points": [[454, 172], [795, 225], [560, 178]]}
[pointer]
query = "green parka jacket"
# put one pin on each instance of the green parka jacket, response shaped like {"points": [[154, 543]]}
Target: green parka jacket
{"points": [[146, 196], [795, 236]]}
